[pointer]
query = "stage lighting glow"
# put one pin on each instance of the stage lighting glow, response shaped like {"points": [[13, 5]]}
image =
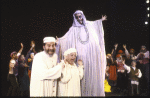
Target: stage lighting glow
{"points": [[146, 22], [147, 1], [148, 8], [147, 15]]}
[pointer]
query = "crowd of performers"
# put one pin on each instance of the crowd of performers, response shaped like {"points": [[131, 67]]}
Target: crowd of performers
{"points": [[58, 69], [124, 70], [128, 71], [20, 71]]}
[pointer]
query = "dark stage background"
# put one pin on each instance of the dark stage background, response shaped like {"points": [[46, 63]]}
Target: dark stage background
{"points": [[24, 20]]}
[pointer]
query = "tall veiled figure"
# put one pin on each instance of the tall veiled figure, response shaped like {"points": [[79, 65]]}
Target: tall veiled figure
{"points": [[88, 39]]}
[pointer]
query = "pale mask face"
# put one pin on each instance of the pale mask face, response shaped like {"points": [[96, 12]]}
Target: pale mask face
{"points": [[49, 48], [79, 18], [71, 58]]}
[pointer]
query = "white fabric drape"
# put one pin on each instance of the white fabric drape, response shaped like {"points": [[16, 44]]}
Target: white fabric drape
{"points": [[92, 53]]}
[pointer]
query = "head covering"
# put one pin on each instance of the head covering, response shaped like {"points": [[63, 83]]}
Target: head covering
{"points": [[13, 53], [131, 49], [65, 53], [75, 22], [71, 50], [32, 53], [49, 39], [143, 46], [108, 54], [120, 51], [118, 55]]}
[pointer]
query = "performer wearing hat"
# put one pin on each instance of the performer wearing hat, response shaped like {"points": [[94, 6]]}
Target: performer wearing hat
{"points": [[45, 72], [143, 58], [134, 75], [69, 84], [13, 73], [130, 56], [121, 75]]}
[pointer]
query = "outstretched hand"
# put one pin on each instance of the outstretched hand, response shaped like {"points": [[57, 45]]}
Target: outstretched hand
{"points": [[137, 74], [21, 45], [104, 17], [124, 46]]}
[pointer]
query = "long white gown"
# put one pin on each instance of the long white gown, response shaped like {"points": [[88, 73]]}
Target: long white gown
{"points": [[92, 53], [69, 84], [44, 75]]}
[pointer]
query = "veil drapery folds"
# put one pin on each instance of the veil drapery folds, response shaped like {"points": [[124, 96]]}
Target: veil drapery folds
{"points": [[88, 39]]}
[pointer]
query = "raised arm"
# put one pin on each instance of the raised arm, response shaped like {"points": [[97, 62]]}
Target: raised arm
{"points": [[20, 51], [113, 53], [126, 51], [28, 54], [126, 67]]}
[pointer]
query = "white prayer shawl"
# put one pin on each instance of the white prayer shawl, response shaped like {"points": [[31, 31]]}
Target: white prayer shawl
{"points": [[44, 75], [92, 54], [70, 81]]}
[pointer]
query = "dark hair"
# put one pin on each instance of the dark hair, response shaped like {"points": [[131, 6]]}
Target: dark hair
{"points": [[43, 44]]}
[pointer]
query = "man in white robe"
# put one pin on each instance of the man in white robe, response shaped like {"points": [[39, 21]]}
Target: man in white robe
{"points": [[87, 37], [44, 71], [69, 84]]}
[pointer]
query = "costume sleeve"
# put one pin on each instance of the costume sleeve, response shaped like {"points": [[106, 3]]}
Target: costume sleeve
{"points": [[127, 68], [12, 62], [140, 74], [80, 68], [146, 55], [137, 57], [127, 53], [18, 54], [113, 55], [41, 72], [27, 56], [66, 75]]}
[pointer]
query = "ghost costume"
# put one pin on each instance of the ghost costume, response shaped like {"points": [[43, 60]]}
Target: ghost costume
{"points": [[69, 84], [88, 40], [44, 74]]}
